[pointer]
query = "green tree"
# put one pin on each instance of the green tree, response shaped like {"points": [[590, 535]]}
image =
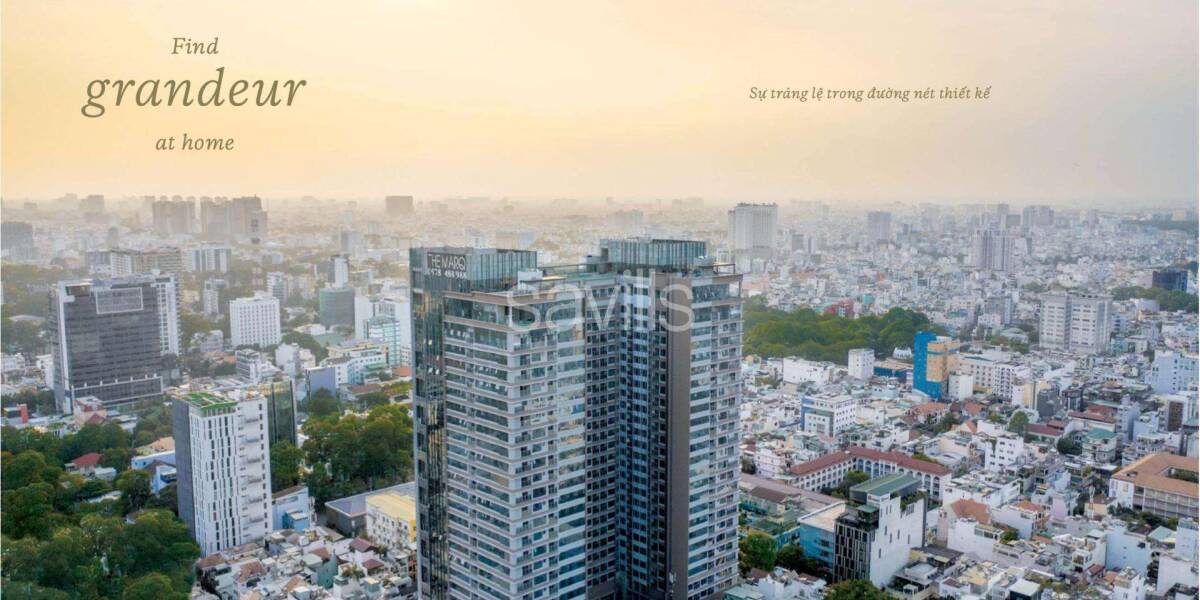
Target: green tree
{"points": [[1010, 535], [154, 586], [307, 342], [168, 498], [852, 478], [20, 336], [134, 485], [1019, 423], [27, 468], [1068, 446], [855, 589], [756, 551], [285, 465], [28, 510], [321, 403], [19, 440], [792, 557]]}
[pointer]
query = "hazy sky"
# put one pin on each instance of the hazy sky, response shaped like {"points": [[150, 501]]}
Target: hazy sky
{"points": [[1089, 101]]}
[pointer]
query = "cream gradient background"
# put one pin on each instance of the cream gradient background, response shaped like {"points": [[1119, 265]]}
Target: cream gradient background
{"points": [[1089, 101]]}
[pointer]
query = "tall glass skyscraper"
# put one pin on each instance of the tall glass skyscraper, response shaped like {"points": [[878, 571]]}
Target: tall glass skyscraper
{"points": [[576, 426]]}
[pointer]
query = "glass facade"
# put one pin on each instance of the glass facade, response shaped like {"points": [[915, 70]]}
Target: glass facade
{"points": [[577, 430]]}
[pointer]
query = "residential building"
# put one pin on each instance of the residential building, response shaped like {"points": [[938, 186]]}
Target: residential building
{"points": [[860, 363], [212, 257], [392, 520], [1172, 372], [1079, 323], [223, 467], [752, 229], [254, 321], [884, 521], [279, 285], [879, 226], [563, 363], [828, 413], [136, 262], [993, 250], [934, 358], [398, 206], [212, 297]]}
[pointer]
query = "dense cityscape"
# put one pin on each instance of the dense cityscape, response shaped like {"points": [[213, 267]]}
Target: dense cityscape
{"points": [[250, 398]]}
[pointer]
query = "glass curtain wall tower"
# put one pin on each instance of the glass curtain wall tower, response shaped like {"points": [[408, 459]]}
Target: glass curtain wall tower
{"points": [[577, 425]]}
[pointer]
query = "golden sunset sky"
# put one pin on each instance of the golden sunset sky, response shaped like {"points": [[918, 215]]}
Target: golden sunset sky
{"points": [[1090, 101]]}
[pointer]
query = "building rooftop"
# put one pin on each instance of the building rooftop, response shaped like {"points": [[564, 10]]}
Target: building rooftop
{"points": [[884, 486], [208, 400], [1153, 471]]}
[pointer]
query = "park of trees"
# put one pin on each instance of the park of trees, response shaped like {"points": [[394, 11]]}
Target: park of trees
{"points": [[59, 542], [775, 333]]}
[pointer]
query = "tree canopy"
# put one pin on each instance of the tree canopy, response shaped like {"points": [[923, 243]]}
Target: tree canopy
{"points": [[1167, 300], [756, 551], [855, 589], [352, 453], [803, 332], [56, 544]]}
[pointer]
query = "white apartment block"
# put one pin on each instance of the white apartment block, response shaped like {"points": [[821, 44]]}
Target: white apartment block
{"points": [[1172, 372], [1007, 450], [860, 363], [989, 372], [279, 285], [798, 370], [392, 520], [1080, 323], [254, 321], [223, 466], [208, 257], [169, 327], [828, 414]]}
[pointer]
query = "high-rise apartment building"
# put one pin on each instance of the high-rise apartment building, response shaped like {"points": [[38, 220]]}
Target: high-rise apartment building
{"points": [[879, 226], [109, 337], [242, 219], [16, 234], [213, 257], [993, 250], [170, 329], [279, 285], [398, 206], [1080, 323], [1037, 216], [212, 296], [254, 321], [339, 270], [223, 467], [576, 427], [934, 358], [173, 217], [137, 262], [752, 229]]}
